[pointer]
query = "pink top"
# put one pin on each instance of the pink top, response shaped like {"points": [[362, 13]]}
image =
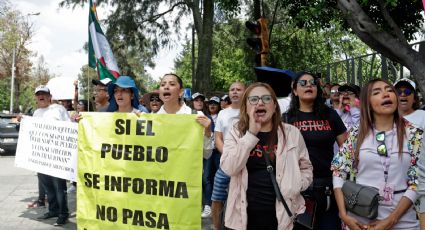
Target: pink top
{"points": [[294, 173]]}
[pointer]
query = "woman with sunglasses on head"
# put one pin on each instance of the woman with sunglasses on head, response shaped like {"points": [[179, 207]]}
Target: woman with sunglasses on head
{"points": [[408, 107], [321, 127], [260, 136], [380, 152], [171, 93]]}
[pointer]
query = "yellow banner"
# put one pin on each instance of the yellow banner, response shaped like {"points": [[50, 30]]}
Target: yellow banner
{"points": [[139, 172]]}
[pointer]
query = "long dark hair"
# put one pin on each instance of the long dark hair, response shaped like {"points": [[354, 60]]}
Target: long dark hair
{"points": [[367, 119], [179, 80], [319, 107], [243, 124]]}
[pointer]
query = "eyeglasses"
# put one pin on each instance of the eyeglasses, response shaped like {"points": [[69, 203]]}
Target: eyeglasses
{"points": [[406, 92], [349, 93], [303, 83], [334, 91], [253, 100], [155, 99], [100, 89], [382, 148]]}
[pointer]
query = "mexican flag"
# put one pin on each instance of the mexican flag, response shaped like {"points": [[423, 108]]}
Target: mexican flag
{"points": [[100, 53]]}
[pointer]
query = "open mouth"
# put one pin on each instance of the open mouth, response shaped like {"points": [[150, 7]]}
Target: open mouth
{"points": [[166, 94], [387, 103], [403, 101], [260, 112]]}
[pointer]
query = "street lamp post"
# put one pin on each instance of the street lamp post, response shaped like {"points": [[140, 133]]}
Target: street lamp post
{"points": [[12, 81]]}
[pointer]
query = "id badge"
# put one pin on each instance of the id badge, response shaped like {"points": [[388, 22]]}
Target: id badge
{"points": [[386, 193]]}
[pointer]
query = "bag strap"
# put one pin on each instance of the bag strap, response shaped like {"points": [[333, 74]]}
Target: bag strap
{"points": [[275, 185]]}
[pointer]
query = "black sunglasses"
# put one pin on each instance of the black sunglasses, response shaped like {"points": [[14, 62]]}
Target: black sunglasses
{"points": [[406, 92], [382, 148], [155, 99], [303, 83]]}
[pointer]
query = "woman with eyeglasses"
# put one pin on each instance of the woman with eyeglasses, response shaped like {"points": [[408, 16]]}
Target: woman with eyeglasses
{"points": [[82, 106], [171, 93], [260, 136], [335, 96], [408, 107], [321, 127], [153, 102], [380, 152]]}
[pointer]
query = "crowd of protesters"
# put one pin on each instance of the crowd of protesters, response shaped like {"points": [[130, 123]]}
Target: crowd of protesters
{"points": [[314, 140]]}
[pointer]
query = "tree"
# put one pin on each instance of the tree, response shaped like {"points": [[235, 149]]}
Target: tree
{"points": [[142, 24], [16, 33], [386, 26], [292, 48]]}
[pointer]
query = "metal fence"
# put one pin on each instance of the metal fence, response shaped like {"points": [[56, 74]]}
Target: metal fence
{"points": [[359, 70]]}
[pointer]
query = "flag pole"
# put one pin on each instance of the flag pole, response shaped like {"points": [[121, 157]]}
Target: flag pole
{"points": [[88, 87]]}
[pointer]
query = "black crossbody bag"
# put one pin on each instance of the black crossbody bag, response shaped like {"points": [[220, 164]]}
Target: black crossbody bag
{"points": [[305, 220]]}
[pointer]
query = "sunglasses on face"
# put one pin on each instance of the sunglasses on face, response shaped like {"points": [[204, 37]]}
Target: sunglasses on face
{"points": [[253, 100], [406, 92], [382, 148], [155, 99], [303, 83]]}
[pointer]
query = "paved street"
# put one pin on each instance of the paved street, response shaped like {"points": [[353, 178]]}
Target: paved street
{"points": [[18, 189]]}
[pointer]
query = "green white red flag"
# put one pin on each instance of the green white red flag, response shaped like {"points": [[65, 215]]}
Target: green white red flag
{"points": [[100, 53]]}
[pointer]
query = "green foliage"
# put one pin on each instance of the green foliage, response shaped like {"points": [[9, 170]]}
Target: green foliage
{"points": [[16, 32], [313, 14], [183, 65]]}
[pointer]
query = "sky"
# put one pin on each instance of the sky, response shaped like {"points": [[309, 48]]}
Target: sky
{"points": [[60, 34]]}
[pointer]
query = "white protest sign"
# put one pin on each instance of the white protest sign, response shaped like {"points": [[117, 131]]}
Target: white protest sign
{"points": [[48, 147]]}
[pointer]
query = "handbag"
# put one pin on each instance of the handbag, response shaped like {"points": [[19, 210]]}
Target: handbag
{"points": [[304, 220], [360, 199]]}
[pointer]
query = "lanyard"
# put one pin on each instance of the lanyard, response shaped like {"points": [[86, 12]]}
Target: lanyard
{"points": [[385, 161]]}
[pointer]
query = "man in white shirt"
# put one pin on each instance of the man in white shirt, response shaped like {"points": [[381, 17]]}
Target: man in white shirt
{"points": [[55, 187], [225, 120]]}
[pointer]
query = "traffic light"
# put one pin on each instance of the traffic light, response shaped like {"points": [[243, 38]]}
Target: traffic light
{"points": [[260, 41]]}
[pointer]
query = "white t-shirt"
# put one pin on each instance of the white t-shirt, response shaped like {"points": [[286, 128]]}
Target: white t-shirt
{"points": [[417, 118], [225, 120], [183, 110], [52, 112]]}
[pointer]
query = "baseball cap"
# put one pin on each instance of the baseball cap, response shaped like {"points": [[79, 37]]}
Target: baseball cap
{"points": [[405, 81], [346, 87], [214, 99], [195, 95], [225, 97], [104, 81], [42, 88]]}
